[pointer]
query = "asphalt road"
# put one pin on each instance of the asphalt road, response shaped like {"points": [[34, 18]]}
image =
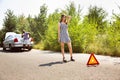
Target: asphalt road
{"points": [[48, 65]]}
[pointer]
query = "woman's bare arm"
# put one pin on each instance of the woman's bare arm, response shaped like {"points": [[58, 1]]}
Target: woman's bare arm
{"points": [[58, 31], [68, 19]]}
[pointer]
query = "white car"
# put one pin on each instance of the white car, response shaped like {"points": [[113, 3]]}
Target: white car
{"points": [[13, 40]]}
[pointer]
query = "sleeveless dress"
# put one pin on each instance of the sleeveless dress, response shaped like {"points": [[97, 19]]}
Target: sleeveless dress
{"points": [[64, 35]]}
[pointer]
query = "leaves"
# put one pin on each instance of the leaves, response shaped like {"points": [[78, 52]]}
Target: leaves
{"points": [[9, 21], [92, 34]]}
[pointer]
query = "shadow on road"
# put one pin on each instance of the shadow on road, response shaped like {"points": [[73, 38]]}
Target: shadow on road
{"points": [[12, 51], [51, 63]]}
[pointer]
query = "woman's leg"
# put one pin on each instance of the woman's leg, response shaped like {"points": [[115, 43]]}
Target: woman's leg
{"points": [[70, 50], [62, 50]]}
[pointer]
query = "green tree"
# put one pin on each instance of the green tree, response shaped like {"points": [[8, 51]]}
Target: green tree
{"points": [[32, 26], [74, 13], [9, 24], [22, 24], [97, 16], [41, 23], [51, 36], [95, 25], [113, 35], [2, 33]]}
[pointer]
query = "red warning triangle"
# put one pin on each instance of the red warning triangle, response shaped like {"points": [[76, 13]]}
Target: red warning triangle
{"points": [[92, 60]]}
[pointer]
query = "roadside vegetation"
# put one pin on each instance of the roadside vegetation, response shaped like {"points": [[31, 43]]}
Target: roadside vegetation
{"points": [[94, 33]]}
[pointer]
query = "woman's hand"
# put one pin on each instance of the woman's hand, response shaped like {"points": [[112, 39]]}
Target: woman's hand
{"points": [[58, 39], [69, 17]]}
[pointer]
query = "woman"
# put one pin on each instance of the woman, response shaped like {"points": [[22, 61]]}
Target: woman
{"points": [[63, 36], [26, 36]]}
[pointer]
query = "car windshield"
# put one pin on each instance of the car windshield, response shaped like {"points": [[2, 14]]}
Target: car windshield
{"points": [[9, 34], [18, 36]]}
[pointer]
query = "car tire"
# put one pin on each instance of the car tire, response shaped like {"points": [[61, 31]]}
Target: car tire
{"points": [[10, 47], [29, 49], [4, 49]]}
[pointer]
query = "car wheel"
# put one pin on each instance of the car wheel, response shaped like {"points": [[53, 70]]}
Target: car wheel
{"points": [[10, 47], [29, 48], [4, 49]]}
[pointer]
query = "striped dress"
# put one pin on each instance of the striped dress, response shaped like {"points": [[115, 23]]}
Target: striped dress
{"points": [[64, 35]]}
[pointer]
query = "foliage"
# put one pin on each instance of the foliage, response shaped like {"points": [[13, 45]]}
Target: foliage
{"points": [[9, 24], [22, 24], [41, 23], [51, 35], [92, 34], [9, 21]]}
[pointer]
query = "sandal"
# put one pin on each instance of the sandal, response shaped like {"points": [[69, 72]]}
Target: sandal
{"points": [[72, 59], [64, 60]]}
